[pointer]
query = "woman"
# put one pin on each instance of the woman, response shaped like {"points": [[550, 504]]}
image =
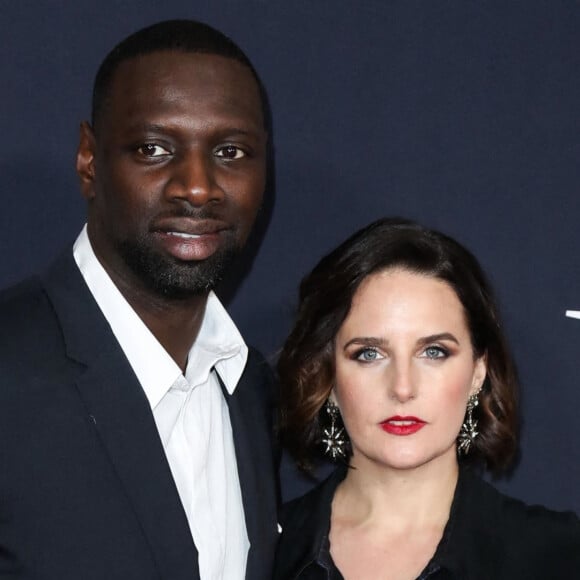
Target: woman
{"points": [[398, 367]]}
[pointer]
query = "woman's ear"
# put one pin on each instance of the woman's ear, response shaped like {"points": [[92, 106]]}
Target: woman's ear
{"points": [[479, 374], [332, 396]]}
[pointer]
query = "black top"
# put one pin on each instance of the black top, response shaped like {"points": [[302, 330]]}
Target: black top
{"points": [[488, 536]]}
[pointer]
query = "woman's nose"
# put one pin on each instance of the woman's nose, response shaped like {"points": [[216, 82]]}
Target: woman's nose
{"points": [[401, 384]]}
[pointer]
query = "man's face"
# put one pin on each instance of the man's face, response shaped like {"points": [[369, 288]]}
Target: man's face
{"points": [[174, 172]]}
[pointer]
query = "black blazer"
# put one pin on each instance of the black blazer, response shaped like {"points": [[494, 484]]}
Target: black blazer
{"points": [[489, 536], [86, 492]]}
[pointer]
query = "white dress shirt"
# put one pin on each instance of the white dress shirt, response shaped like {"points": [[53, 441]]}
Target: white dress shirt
{"points": [[191, 415]]}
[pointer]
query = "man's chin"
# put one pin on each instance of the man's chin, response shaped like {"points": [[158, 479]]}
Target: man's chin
{"points": [[174, 279]]}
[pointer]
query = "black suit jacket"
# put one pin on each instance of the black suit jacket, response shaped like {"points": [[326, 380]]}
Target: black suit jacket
{"points": [[86, 492]]}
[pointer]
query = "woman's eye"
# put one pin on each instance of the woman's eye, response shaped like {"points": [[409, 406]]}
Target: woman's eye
{"points": [[230, 152], [434, 352], [367, 355], [152, 150]]}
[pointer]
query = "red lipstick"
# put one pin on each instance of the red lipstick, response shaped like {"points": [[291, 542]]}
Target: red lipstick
{"points": [[402, 426]]}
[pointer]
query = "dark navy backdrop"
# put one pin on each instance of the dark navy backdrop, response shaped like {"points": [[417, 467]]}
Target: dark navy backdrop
{"points": [[463, 115]]}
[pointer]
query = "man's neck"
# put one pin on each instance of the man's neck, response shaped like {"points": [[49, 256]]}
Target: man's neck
{"points": [[175, 323]]}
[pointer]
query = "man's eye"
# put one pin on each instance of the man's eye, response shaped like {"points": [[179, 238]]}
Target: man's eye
{"points": [[230, 152], [367, 355], [434, 352], [152, 150]]}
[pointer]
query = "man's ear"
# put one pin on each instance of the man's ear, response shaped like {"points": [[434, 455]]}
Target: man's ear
{"points": [[86, 160]]}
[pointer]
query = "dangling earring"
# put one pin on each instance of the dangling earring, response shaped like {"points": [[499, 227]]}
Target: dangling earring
{"points": [[468, 431], [334, 437]]}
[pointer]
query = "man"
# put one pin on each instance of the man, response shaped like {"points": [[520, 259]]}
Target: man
{"points": [[135, 423]]}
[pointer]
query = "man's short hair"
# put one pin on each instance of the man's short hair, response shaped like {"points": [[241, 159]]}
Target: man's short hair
{"points": [[170, 35]]}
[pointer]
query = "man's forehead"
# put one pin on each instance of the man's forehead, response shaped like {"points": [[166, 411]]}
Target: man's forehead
{"points": [[173, 74], [165, 65], [185, 83]]}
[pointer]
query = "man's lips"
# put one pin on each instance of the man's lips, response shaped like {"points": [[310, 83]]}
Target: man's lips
{"points": [[183, 235], [189, 227], [189, 239], [402, 426]]}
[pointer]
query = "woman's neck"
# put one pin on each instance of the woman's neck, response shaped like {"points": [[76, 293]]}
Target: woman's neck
{"points": [[405, 499]]}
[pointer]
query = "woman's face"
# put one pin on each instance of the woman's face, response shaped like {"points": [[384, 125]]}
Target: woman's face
{"points": [[405, 369]]}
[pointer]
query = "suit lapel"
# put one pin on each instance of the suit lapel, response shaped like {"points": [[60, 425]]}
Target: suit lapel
{"points": [[250, 415], [123, 419]]}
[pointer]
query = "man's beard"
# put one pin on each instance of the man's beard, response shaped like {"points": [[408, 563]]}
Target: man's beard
{"points": [[172, 278]]}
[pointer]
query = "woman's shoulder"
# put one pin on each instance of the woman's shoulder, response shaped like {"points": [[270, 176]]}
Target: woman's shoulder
{"points": [[314, 504], [537, 527], [527, 519], [305, 523], [531, 537]]}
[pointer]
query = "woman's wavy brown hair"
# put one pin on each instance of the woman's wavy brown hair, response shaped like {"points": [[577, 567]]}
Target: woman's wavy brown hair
{"points": [[306, 364]]}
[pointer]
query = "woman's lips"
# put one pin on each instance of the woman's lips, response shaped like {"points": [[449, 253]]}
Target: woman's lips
{"points": [[402, 426]]}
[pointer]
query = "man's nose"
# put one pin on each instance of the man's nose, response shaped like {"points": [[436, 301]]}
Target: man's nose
{"points": [[193, 180], [401, 384]]}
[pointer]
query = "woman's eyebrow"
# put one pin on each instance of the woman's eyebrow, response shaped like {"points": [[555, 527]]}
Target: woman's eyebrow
{"points": [[367, 341], [437, 337]]}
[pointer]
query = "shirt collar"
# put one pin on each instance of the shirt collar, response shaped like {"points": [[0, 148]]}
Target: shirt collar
{"points": [[306, 527], [470, 540], [219, 343]]}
